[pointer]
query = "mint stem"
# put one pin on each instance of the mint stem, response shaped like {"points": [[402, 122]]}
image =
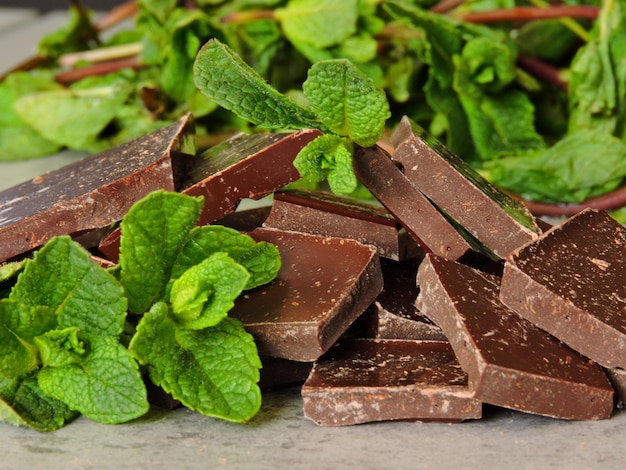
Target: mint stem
{"points": [[247, 16], [608, 201], [532, 13], [101, 68], [542, 70]]}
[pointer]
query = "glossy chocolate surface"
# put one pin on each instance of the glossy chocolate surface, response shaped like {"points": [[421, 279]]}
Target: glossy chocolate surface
{"points": [[498, 221], [324, 284], [570, 282], [94, 192], [368, 380], [510, 362]]}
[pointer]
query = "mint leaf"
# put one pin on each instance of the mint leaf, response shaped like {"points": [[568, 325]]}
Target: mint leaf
{"points": [[10, 269], [327, 156], [19, 324], [105, 386], [204, 294], [347, 101], [225, 78], [23, 403], [221, 364], [319, 22], [153, 232], [63, 276], [59, 348], [261, 259]]}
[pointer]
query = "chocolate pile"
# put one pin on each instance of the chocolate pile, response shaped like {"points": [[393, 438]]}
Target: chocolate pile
{"points": [[447, 295]]}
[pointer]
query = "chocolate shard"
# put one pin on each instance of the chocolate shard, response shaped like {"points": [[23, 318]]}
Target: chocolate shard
{"points": [[429, 228], [94, 192], [617, 377], [498, 221], [570, 282], [244, 166], [323, 213], [324, 284], [281, 373], [367, 380], [510, 362], [393, 314]]}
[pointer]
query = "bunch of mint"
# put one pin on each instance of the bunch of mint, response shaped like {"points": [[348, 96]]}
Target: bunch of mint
{"points": [[68, 345]]}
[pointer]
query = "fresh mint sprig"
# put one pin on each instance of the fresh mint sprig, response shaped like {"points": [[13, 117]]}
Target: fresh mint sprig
{"points": [[62, 347], [344, 104]]}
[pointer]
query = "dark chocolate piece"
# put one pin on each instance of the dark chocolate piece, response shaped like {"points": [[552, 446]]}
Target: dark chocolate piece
{"points": [[245, 166], [324, 284], [617, 377], [428, 227], [362, 381], [94, 192], [570, 282], [498, 221], [330, 215], [510, 362], [280, 373], [393, 315]]}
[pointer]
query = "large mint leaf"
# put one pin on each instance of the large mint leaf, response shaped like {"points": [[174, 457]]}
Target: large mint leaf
{"points": [[63, 276], [226, 79], [153, 232], [322, 23], [23, 403], [19, 324], [261, 259], [347, 101], [106, 386], [213, 371], [204, 294], [60, 347]]}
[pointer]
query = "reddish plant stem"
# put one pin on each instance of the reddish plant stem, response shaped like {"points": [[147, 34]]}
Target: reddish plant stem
{"points": [[101, 68], [542, 70], [609, 201], [532, 13], [117, 15], [445, 6]]}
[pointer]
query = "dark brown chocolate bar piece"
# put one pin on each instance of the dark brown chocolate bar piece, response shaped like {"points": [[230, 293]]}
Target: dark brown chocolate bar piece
{"points": [[570, 282], [393, 315], [510, 362], [428, 227], [94, 192], [324, 284], [330, 215], [498, 221], [363, 380], [280, 373], [245, 166]]}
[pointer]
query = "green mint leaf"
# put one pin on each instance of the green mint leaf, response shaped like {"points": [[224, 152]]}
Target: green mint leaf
{"points": [[23, 403], [10, 269], [59, 348], [19, 324], [261, 259], [63, 276], [204, 294], [161, 9], [320, 22], [225, 78], [221, 364], [153, 232], [106, 386], [328, 157], [347, 101]]}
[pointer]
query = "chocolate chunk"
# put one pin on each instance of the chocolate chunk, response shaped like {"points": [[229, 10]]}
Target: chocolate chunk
{"points": [[393, 315], [362, 381], [428, 227], [617, 377], [498, 221], [245, 166], [324, 284], [94, 192], [570, 282], [510, 362], [330, 215], [280, 373]]}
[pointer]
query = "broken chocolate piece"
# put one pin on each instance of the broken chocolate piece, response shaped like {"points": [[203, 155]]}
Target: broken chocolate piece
{"points": [[245, 166], [498, 221], [510, 362], [324, 284], [617, 377], [330, 215], [428, 227], [94, 192], [570, 282], [279, 373], [362, 381]]}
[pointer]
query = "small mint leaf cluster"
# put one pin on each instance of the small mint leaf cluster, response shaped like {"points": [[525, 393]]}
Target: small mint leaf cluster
{"points": [[62, 322], [344, 104]]}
